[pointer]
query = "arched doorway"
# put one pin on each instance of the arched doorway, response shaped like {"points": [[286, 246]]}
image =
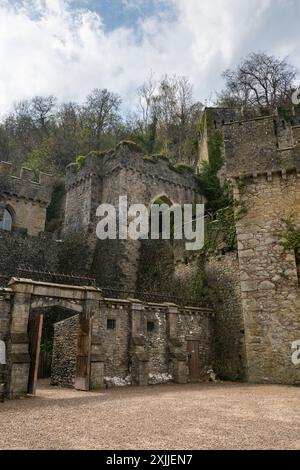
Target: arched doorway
{"points": [[162, 201], [156, 261]]}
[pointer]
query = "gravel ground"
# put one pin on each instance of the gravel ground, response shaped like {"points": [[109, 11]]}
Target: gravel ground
{"points": [[198, 416]]}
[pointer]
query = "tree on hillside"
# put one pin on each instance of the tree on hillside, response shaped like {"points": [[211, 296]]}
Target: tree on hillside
{"points": [[167, 118], [42, 111], [101, 115], [260, 81]]}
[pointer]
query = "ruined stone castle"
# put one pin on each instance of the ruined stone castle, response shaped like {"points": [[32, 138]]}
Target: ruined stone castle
{"points": [[244, 332]]}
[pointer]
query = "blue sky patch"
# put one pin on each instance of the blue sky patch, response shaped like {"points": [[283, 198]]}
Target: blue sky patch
{"points": [[124, 13]]}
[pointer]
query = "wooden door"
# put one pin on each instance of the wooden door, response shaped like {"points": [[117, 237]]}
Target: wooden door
{"points": [[82, 379], [193, 360], [35, 327]]}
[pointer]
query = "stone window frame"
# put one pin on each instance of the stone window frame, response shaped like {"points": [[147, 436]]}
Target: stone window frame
{"points": [[111, 324], [152, 328]]}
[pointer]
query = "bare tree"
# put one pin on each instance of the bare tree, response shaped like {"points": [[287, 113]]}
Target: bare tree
{"points": [[42, 108], [102, 114], [146, 95], [167, 117], [260, 81]]}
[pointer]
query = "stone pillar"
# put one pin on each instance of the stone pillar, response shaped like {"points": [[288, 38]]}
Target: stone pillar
{"points": [[18, 372], [176, 347], [139, 355], [89, 366], [97, 372]]}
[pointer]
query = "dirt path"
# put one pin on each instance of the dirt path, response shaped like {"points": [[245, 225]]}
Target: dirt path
{"points": [[201, 416]]}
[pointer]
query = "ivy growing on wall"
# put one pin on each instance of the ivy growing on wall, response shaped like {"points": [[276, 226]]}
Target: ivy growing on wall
{"points": [[291, 240]]}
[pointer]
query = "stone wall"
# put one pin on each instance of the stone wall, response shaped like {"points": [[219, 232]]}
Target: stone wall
{"points": [[18, 250], [213, 119], [269, 281], [223, 293], [156, 344], [4, 336], [130, 351], [156, 266], [113, 344], [26, 198], [262, 160], [223, 278], [102, 179], [261, 146], [63, 366]]}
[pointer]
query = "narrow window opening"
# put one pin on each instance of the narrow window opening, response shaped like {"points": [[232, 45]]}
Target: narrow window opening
{"points": [[150, 326], [111, 324]]}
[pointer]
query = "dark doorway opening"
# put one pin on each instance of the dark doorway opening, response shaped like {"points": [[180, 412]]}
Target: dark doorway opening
{"points": [[41, 340]]}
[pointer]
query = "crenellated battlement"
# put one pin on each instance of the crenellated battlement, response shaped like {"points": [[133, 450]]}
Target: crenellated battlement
{"points": [[102, 165], [25, 184], [261, 145]]}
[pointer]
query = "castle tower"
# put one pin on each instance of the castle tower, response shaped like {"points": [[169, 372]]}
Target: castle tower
{"points": [[262, 161], [103, 178]]}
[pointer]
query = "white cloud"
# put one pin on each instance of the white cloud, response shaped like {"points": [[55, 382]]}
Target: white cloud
{"points": [[47, 47]]}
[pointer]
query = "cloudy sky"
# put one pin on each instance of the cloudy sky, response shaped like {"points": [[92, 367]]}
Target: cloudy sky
{"points": [[68, 47]]}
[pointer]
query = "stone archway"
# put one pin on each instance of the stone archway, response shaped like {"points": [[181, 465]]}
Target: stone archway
{"points": [[28, 294]]}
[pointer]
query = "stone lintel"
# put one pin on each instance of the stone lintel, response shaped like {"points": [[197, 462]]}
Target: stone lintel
{"points": [[46, 289]]}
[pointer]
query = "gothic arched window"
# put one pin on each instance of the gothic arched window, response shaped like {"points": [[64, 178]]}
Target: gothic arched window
{"points": [[7, 222]]}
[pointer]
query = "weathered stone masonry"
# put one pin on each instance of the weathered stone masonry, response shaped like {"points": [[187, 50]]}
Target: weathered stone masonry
{"points": [[101, 353], [26, 198], [130, 353], [63, 367], [102, 179], [25, 296], [264, 168]]}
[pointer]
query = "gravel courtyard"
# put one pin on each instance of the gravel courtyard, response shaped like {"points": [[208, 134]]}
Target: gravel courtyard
{"points": [[198, 416]]}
